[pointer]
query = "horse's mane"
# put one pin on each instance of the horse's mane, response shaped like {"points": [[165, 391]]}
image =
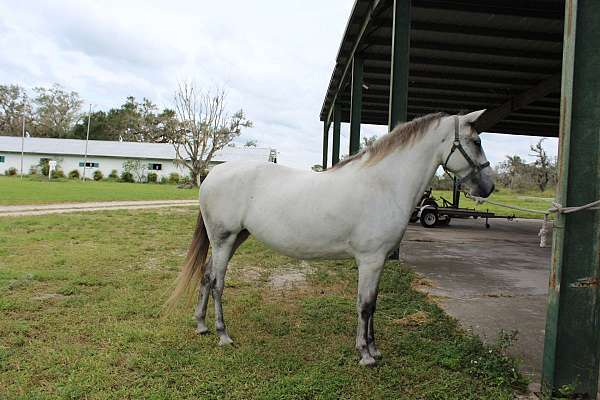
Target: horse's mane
{"points": [[400, 136]]}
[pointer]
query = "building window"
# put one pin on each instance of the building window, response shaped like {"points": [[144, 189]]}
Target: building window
{"points": [[89, 164], [1, 158], [155, 167]]}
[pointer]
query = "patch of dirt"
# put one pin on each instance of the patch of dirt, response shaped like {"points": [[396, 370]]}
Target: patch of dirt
{"points": [[289, 277], [48, 296], [417, 319], [247, 274]]}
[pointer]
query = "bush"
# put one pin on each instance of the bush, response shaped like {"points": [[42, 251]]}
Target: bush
{"points": [[126, 177], [58, 173], [98, 175], [164, 180], [173, 177], [152, 177], [74, 174], [12, 171], [185, 180], [33, 170], [113, 174]]}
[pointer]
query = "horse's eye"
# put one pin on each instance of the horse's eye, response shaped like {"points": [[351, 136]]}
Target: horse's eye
{"points": [[477, 142]]}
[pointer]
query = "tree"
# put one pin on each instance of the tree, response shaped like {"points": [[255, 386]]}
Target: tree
{"points": [[543, 170], [204, 126], [137, 168], [367, 141], [56, 111], [250, 143], [14, 106], [317, 168]]}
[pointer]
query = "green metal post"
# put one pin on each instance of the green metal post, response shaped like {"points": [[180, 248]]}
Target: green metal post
{"points": [[325, 143], [400, 63], [337, 122], [356, 104], [572, 345]]}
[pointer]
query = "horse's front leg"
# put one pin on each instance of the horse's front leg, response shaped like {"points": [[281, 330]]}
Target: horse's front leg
{"points": [[369, 272]]}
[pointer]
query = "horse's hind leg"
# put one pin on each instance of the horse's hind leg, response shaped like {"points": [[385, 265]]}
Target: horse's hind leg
{"points": [[203, 293], [207, 283]]}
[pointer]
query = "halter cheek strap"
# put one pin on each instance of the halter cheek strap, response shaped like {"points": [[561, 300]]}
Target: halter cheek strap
{"points": [[475, 168]]}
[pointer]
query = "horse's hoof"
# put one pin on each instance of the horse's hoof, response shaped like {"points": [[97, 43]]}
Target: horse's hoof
{"points": [[225, 341], [201, 329], [367, 362]]}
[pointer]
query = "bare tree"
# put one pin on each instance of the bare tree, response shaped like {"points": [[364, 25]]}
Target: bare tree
{"points": [[204, 127]]}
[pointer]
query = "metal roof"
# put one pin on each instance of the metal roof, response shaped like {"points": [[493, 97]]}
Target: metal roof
{"points": [[105, 148], [464, 55]]}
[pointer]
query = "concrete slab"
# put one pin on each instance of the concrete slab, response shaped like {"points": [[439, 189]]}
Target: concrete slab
{"points": [[489, 279]]}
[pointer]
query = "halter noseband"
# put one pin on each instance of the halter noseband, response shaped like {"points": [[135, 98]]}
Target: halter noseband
{"points": [[475, 168]]}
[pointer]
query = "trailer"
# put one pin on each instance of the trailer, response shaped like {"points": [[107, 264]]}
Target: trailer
{"points": [[430, 214]]}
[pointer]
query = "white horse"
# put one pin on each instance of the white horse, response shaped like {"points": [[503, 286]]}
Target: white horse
{"points": [[358, 209]]}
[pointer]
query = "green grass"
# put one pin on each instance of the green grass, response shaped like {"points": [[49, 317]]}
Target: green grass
{"points": [[81, 294], [38, 191], [534, 200]]}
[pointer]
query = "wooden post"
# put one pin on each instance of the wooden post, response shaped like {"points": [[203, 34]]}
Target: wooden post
{"points": [[337, 122], [400, 63], [572, 345], [356, 104]]}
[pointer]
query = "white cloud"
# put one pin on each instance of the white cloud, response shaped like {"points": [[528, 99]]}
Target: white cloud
{"points": [[274, 57]]}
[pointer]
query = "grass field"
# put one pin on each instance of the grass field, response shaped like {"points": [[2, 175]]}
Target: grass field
{"points": [[535, 200], [35, 191], [81, 294]]}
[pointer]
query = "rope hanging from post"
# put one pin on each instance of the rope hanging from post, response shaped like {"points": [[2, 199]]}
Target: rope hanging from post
{"points": [[555, 209]]}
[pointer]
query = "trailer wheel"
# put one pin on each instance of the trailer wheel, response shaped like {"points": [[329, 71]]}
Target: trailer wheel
{"points": [[444, 222], [429, 218]]}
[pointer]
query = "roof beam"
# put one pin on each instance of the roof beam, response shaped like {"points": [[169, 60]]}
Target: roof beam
{"points": [[519, 8], [369, 17], [541, 90]]}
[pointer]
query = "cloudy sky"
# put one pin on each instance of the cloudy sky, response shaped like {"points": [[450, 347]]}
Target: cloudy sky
{"points": [[273, 57]]}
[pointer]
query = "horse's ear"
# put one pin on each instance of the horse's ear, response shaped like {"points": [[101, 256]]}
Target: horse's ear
{"points": [[473, 116]]}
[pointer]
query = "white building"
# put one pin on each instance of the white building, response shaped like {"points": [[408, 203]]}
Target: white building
{"points": [[107, 156]]}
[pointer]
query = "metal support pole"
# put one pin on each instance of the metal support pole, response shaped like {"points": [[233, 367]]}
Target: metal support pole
{"points": [[400, 63], [572, 345], [325, 143], [87, 138], [337, 122], [356, 104], [22, 146]]}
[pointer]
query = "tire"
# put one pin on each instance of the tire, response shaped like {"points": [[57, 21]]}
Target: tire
{"points": [[429, 218], [414, 217], [444, 222], [429, 202]]}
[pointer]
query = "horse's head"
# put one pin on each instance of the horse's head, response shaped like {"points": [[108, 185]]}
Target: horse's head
{"points": [[464, 157]]}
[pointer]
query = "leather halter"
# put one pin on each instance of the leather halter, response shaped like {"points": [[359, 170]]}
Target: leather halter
{"points": [[475, 168]]}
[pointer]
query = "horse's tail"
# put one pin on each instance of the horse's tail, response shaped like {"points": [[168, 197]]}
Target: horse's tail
{"points": [[195, 264]]}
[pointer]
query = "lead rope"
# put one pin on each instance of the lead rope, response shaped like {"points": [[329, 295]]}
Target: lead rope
{"points": [[555, 209]]}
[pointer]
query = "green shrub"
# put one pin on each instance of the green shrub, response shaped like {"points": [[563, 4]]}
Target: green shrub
{"points": [[12, 171], [152, 177], [126, 177], [164, 180], [98, 175], [113, 174], [58, 173], [184, 180], [173, 177], [33, 170], [74, 174]]}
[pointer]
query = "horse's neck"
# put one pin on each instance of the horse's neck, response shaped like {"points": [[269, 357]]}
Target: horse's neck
{"points": [[407, 171]]}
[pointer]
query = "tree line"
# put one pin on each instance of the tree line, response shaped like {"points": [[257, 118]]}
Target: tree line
{"points": [[198, 125]]}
